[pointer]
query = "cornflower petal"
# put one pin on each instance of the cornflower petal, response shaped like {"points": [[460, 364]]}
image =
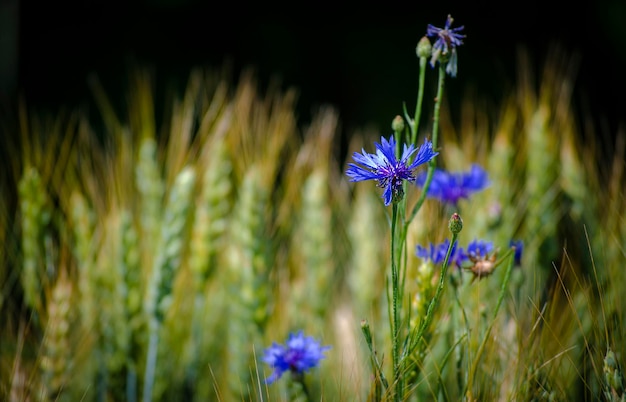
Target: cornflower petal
{"points": [[479, 248], [437, 253], [424, 154], [450, 187]]}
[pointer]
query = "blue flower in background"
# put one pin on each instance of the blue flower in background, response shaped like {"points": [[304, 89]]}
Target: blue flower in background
{"points": [[450, 187], [478, 249], [384, 167], [519, 247], [445, 46], [299, 354], [437, 252]]}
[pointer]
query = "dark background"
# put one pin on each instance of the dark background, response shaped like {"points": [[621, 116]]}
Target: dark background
{"points": [[359, 58]]}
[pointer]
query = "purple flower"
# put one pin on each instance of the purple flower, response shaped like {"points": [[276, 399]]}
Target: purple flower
{"points": [[384, 167], [299, 354], [437, 252], [445, 46], [451, 187]]}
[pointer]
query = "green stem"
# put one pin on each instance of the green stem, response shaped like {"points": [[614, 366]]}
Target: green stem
{"points": [[432, 306], [455, 323], [298, 391], [376, 366], [131, 382], [195, 339], [432, 163], [151, 359], [395, 291], [420, 96], [398, 139]]}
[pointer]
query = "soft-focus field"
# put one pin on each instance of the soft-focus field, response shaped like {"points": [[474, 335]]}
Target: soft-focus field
{"points": [[225, 223]]}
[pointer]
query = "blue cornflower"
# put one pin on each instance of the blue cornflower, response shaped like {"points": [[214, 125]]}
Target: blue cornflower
{"points": [[519, 247], [478, 249], [299, 354], [445, 46], [451, 187], [437, 252], [384, 167]]}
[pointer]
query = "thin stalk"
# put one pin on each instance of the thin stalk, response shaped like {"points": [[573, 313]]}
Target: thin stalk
{"points": [[454, 313], [395, 290], [398, 138], [440, 383], [131, 383], [400, 250], [432, 306], [376, 366], [151, 360], [195, 338], [420, 96], [481, 348], [432, 162]]}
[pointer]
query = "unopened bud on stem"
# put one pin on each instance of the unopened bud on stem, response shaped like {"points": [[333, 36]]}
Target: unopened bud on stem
{"points": [[397, 125], [456, 223], [424, 48]]}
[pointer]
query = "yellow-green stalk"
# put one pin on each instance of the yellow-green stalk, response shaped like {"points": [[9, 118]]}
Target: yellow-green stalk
{"points": [[211, 216], [542, 188], [82, 225], [208, 234], [114, 323], [247, 280], [317, 245], [130, 269], [149, 181], [93, 315], [573, 178], [34, 217], [131, 292], [166, 263], [505, 189], [57, 354]]}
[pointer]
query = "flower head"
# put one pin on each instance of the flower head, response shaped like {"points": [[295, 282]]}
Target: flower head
{"points": [[444, 48], [482, 265], [299, 354], [451, 187], [386, 169]]}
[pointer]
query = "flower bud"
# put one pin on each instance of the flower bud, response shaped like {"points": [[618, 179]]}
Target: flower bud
{"points": [[397, 125], [423, 48], [367, 332], [456, 223]]}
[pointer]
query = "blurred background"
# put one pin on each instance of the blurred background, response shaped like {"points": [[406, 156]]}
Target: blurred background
{"points": [[90, 244], [359, 59]]}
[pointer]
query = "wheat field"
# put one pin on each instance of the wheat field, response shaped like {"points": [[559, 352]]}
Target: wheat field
{"points": [[163, 253]]}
